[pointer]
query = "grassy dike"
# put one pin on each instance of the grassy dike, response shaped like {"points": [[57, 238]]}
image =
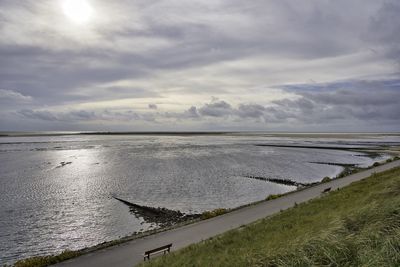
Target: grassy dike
{"points": [[358, 225]]}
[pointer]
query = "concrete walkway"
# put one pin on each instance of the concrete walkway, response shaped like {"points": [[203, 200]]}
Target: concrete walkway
{"points": [[131, 253]]}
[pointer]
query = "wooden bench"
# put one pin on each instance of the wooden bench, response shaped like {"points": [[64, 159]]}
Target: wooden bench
{"points": [[166, 248], [326, 190]]}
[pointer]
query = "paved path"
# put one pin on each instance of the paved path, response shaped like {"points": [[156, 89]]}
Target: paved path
{"points": [[131, 253]]}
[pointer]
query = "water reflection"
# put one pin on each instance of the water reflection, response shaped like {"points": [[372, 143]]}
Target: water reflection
{"points": [[55, 191]]}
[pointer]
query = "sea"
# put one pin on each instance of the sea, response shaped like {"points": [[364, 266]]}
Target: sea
{"points": [[56, 189]]}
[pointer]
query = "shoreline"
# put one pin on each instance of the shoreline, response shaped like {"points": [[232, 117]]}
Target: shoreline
{"points": [[66, 255], [189, 133]]}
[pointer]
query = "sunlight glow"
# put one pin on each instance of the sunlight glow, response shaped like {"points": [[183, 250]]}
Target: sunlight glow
{"points": [[78, 11]]}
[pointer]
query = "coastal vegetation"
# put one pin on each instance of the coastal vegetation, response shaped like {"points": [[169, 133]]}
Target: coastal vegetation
{"points": [[273, 196], [355, 226], [210, 214], [326, 179], [47, 260]]}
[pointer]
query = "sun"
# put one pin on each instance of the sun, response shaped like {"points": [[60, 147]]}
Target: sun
{"points": [[78, 11]]}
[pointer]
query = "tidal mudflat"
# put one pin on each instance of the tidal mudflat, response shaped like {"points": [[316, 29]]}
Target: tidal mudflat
{"points": [[58, 192]]}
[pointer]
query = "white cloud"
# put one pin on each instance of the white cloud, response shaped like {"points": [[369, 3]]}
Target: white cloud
{"points": [[14, 96]]}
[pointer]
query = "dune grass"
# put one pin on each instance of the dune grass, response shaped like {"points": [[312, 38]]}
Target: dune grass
{"points": [[42, 261], [210, 214], [356, 226]]}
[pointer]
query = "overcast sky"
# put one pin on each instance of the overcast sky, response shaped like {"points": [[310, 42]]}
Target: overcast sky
{"points": [[139, 65]]}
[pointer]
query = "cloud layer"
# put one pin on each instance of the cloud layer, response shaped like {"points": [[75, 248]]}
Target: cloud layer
{"points": [[202, 65]]}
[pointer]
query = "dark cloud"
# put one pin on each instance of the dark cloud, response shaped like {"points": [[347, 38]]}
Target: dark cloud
{"points": [[191, 113], [216, 109], [360, 100], [38, 115], [337, 102], [251, 111], [152, 106], [315, 108]]}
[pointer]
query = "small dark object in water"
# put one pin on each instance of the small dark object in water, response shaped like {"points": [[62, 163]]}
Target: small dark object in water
{"points": [[326, 190], [63, 163]]}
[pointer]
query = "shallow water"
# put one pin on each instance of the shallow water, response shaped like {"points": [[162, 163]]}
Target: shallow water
{"points": [[55, 191]]}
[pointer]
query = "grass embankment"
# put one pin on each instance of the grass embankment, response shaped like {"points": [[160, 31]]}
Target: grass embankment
{"points": [[46, 260], [356, 226]]}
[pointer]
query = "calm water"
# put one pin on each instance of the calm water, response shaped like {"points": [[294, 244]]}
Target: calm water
{"points": [[55, 190]]}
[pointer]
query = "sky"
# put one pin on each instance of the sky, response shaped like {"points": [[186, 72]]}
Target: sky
{"points": [[200, 65]]}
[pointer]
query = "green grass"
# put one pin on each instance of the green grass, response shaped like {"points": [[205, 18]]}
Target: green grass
{"points": [[356, 226], [210, 214], [271, 197], [46, 260]]}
